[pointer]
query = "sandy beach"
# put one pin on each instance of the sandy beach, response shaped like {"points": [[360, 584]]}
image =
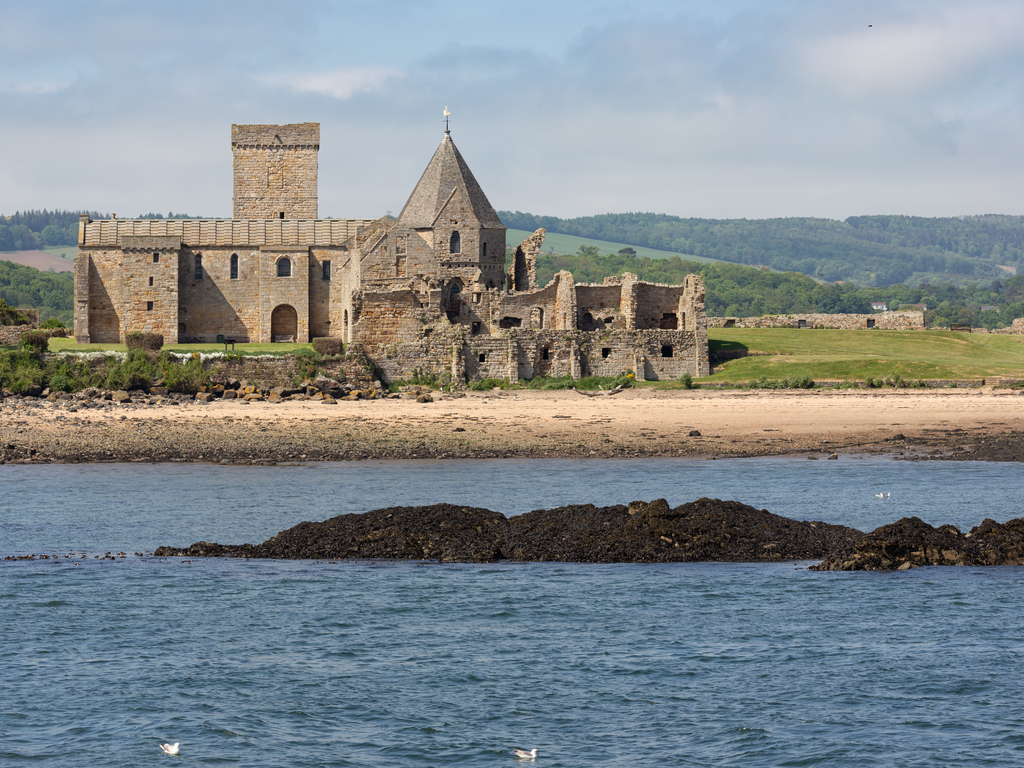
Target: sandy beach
{"points": [[982, 423]]}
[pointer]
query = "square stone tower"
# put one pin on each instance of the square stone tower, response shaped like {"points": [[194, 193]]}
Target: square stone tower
{"points": [[275, 171]]}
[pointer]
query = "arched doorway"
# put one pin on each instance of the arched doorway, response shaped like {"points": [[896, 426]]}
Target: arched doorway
{"points": [[284, 323], [454, 301]]}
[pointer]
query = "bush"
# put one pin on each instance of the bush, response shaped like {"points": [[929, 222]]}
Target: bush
{"points": [[36, 340], [802, 382], [139, 340], [52, 322], [686, 380], [328, 346]]}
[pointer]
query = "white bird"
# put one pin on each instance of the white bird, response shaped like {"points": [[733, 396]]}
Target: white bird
{"points": [[523, 754], [170, 749], [888, 494], [879, 495]]}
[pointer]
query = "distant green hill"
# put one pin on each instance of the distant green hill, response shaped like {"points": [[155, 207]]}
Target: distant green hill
{"points": [[869, 250], [555, 243]]}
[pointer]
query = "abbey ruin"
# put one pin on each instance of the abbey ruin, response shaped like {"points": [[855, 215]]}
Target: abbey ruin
{"points": [[425, 292]]}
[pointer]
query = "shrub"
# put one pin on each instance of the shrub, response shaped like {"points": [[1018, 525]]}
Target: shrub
{"points": [[802, 382], [686, 380], [139, 340], [35, 340], [52, 322], [328, 346]]}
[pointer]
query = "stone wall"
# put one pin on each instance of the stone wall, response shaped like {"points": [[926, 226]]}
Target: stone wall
{"points": [[275, 171], [906, 320], [281, 371], [10, 335]]}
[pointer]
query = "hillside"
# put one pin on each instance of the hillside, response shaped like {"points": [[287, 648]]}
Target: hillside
{"points": [[555, 243], [869, 250]]}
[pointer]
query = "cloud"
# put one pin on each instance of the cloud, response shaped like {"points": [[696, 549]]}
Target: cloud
{"points": [[936, 48], [34, 87], [341, 83]]}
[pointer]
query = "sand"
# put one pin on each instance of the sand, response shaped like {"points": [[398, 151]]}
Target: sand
{"points": [[634, 423]]}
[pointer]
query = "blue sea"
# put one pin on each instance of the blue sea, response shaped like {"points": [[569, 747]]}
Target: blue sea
{"points": [[299, 663]]}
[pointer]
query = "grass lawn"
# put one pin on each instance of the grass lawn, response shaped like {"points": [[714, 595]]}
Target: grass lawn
{"points": [[857, 355], [59, 345], [569, 244]]}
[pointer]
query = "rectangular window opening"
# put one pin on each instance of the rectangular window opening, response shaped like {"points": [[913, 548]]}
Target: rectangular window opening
{"points": [[476, 328], [156, 258], [544, 354], [666, 351], [199, 267], [605, 351], [327, 271], [482, 358], [149, 306], [281, 215]]}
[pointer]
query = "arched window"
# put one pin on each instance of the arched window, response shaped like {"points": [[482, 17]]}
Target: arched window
{"points": [[199, 267], [284, 268], [234, 266], [455, 245]]}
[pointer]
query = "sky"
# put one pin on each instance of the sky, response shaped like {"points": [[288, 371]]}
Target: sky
{"points": [[695, 108]]}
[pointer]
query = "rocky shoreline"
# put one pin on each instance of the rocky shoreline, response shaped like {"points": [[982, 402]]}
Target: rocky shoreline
{"points": [[706, 530]]}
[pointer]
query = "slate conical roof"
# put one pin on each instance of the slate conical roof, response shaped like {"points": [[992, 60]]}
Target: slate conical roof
{"points": [[447, 171]]}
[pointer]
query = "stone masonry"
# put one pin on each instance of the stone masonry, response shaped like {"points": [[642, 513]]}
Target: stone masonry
{"points": [[904, 320], [275, 169], [424, 293]]}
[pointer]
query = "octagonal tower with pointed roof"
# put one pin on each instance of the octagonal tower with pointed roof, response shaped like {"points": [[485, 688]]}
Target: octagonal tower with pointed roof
{"points": [[450, 211]]}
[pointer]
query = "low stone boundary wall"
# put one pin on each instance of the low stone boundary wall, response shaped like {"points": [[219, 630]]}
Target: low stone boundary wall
{"points": [[904, 320], [10, 335]]}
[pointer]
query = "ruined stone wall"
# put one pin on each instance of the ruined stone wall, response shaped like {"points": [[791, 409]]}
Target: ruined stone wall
{"points": [[10, 335], [657, 306], [564, 317], [281, 371], [388, 319], [534, 309], [905, 320], [522, 273], [275, 171], [599, 307]]}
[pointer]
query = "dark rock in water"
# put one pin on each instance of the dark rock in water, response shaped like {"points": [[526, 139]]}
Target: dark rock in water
{"points": [[443, 532], [705, 530], [911, 542]]}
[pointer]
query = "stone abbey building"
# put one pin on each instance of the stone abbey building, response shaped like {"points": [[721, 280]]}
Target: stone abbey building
{"points": [[425, 292]]}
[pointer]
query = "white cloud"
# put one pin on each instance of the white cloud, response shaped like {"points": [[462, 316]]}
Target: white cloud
{"points": [[894, 57], [341, 83], [33, 87]]}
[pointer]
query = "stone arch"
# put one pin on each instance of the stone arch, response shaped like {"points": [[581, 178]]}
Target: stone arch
{"points": [[284, 268], [284, 323]]}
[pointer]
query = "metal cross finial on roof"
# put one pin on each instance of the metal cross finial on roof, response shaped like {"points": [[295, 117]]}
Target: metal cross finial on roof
{"points": [[446, 113]]}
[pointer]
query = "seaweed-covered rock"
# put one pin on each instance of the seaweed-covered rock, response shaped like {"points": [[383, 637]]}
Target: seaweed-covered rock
{"points": [[703, 530], [911, 542], [707, 529]]}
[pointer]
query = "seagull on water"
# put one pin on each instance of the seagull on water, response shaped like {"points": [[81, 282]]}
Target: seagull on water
{"points": [[170, 749], [524, 754], [879, 495]]}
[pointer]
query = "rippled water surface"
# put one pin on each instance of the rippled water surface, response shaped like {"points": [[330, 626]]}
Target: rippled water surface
{"points": [[381, 664]]}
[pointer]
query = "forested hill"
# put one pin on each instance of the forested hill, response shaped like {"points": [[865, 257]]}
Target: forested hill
{"points": [[869, 250]]}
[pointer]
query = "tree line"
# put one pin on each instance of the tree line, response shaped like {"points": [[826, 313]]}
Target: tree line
{"points": [[870, 250], [31, 230], [52, 293]]}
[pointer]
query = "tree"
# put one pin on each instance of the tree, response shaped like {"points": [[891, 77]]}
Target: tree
{"points": [[627, 252]]}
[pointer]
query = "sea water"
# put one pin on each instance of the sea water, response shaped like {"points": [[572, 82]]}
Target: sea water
{"points": [[297, 663]]}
